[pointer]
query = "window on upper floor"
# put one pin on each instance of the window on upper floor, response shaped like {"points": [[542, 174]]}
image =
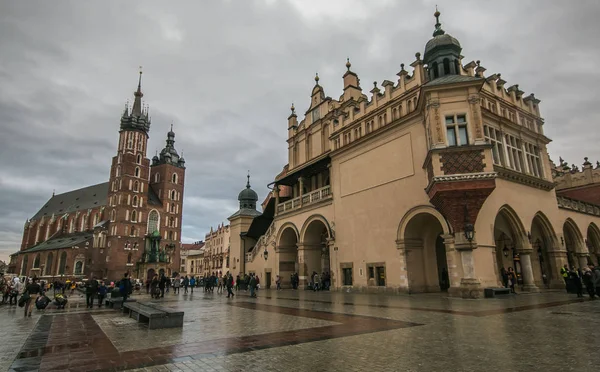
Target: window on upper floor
{"points": [[534, 163], [139, 159], [456, 130], [494, 137], [174, 178], [137, 171], [514, 152], [136, 186]]}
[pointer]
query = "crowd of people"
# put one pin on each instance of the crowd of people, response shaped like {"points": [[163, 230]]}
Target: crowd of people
{"points": [[576, 279]]}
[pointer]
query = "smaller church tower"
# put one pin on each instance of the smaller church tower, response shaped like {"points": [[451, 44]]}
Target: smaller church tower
{"points": [[167, 178]]}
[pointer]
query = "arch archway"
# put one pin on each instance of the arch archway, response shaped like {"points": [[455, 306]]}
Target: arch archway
{"points": [[287, 248], [593, 243], [573, 241], [543, 240], [511, 249], [313, 250], [427, 268]]}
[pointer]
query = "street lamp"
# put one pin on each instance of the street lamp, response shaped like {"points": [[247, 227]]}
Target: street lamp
{"points": [[469, 231], [505, 251], [266, 254]]}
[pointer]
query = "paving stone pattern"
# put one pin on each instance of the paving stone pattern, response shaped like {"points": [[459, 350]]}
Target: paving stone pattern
{"points": [[307, 331]]}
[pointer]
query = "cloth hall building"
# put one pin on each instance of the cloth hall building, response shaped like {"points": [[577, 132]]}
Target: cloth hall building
{"points": [[132, 223], [435, 181]]}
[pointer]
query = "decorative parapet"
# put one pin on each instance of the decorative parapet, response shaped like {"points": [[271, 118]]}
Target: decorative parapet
{"points": [[264, 241], [309, 198], [578, 206], [522, 178]]}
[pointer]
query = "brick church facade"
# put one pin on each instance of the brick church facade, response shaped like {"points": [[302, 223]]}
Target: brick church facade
{"points": [[132, 223]]}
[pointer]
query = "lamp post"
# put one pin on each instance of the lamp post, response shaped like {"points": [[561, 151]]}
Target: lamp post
{"points": [[266, 254]]}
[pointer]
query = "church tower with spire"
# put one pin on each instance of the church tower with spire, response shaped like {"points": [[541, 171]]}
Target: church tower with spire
{"points": [[167, 176], [128, 184]]}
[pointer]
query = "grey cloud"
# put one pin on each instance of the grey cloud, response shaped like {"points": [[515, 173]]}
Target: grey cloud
{"points": [[226, 72]]}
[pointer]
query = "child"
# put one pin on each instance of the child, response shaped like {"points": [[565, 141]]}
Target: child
{"points": [[101, 293]]}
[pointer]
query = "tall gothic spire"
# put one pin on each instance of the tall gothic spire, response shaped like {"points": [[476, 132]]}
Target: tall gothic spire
{"points": [[137, 103]]}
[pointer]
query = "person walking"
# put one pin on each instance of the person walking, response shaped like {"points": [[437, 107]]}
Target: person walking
{"points": [[192, 284], [33, 289], [101, 293], [237, 282], [16, 289], [176, 285], [252, 284], [564, 272], [91, 289], [229, 285], [186, 283], [162, 285], [588, 281], [512, 279], [576, 282], [278, 282], [125, 288]]}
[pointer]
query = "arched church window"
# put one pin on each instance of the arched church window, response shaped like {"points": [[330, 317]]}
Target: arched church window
{"points": [[119, 158], [152, 221], [135, 201], [78, 268], [436, 72], [62, 263], [113, 215], [132, 231], [173, 194], [157, 177], [137, 171], [140, 146], [134, 216], [446, 66], [174, 178], [36, 261], [118, 172], [172, 207], [139, 158], [171, 222], [136, 186]]}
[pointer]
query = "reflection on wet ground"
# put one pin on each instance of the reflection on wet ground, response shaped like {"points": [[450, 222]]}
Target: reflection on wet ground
{"points": [[302, 331]]}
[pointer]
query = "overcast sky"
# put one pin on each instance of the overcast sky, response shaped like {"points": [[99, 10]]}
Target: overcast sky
{"points": [[226, 72]]}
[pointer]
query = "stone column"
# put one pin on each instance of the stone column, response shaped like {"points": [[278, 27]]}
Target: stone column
{"points": [[582, 258], [453, 260], [403, 274], [301, 188], [527, 270], [470, 286], [309, 256]]}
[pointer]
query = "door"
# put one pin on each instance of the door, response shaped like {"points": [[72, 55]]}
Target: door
{"points": [[268, 280]]}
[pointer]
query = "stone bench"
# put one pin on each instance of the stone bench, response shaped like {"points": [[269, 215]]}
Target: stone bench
{"points": [[155, 315], [492, 292], [111, 302]]}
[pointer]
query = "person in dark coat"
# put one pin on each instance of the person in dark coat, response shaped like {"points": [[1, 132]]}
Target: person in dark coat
{"points": [[91, 289], [125, 288], [588, 281], [576, 282], [162, 284]]}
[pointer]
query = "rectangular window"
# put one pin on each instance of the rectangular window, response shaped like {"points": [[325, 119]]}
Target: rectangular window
{"points": [[456, 130], [347, 276], [371, 272], [534, 164], [514, 151], [494, 137]]}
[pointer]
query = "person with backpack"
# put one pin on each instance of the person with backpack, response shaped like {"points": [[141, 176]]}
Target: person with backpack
{"points": [[32, 290]]}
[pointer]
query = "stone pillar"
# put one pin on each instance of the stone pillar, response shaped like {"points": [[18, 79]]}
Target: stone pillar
{"points": [[527, 270], [301, 188], [403, 274], [470, 286], [453, 259], [582, 258], [309, 257], [558, 258]]}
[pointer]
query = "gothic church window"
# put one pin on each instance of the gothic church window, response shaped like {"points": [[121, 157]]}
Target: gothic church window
{"points": [[136, 186], [113, 215], [78, 268], [134, 216], [152, 221], [62, 263], [174, 178], [36, 261], [118, 172], [137, 171], [135, 201], [139, 159], [157, 177]]}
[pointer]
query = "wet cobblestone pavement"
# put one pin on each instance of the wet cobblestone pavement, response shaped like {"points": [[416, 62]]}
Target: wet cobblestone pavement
{"points": [[307, 331]]}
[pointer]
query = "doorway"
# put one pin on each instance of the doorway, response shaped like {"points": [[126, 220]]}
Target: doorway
{"points": [[268, 280], [442, 264]]}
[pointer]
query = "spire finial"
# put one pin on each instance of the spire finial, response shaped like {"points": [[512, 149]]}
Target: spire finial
{"points": [[438, 26], [293, 108], [171, 126], [136, 110], [317, 78], [248, 183], [140, 80], [348, 64]]}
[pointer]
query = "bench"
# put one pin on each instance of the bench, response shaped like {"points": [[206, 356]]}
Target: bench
{"points": [[492, 292], [155, 315], [111, 302]]}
